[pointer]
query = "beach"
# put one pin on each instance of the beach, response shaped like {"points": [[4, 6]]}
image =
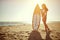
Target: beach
{"points": [[25, 32]]}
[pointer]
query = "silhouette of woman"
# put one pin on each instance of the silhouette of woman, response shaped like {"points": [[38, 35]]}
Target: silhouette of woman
{"points": [[36, 18], [44, 15]]}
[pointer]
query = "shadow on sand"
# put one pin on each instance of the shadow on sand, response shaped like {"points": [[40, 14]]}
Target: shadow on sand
{"points": [[48, 36], [35, 35]]}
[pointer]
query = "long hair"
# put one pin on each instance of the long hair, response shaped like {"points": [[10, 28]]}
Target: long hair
{"points": [[44, 7]]}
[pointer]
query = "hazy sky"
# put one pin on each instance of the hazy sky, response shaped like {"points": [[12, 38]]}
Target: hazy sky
{"points": [[22, 10]]}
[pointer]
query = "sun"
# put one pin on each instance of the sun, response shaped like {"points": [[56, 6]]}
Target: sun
{"points": [[40, 2]]}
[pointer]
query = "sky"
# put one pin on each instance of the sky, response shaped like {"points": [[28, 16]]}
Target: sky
{"points": [[22, 10]]}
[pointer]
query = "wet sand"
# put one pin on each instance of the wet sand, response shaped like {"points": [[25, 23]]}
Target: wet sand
{"points": [[25, 32]]}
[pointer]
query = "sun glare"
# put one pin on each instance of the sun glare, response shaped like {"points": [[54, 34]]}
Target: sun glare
{"points": [[40, 1]]}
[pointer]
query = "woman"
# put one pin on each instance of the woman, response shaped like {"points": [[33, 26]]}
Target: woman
{"points": [[36, 18], [44, 16]]}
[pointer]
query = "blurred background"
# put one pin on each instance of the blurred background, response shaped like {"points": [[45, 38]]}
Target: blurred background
{"points": [[22, 10]]}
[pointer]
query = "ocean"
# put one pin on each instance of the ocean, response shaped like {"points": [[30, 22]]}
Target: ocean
{"points": [[10, 23]]}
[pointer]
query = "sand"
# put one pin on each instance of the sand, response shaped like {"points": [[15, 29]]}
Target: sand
{"points": [[25, 32]]}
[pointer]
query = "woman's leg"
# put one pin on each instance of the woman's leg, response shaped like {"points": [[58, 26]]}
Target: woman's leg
{"points": [[46, 26]]}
